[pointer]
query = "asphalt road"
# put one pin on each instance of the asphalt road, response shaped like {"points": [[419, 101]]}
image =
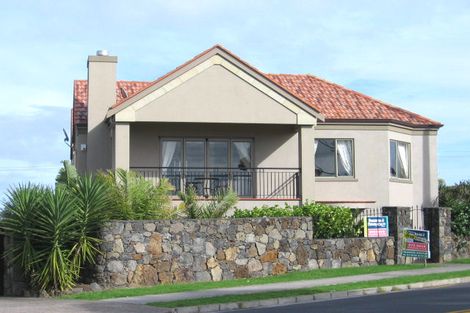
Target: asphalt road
{"points": [[448, 299]]}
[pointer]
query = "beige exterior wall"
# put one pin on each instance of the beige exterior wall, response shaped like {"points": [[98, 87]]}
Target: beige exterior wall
{"points": [[274, 145], [307, 162], [214, 96], [422, 188], [372, 185], [80, 155], [121, 146], [101, 96]]}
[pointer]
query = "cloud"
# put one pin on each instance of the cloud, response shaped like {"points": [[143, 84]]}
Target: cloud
{"points": [[15, 172]]}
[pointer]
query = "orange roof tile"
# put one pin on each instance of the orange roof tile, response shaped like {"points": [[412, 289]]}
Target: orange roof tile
{"points": [[336, 103], [124, 90]]}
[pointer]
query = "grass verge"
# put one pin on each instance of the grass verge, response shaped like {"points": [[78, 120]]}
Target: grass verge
{"points": [[309, 291], [461, 261], [293, 276]]}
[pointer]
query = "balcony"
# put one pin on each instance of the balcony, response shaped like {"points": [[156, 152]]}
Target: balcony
{"points": [[248, 183]]}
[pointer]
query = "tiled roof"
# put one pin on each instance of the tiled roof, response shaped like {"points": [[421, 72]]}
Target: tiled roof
{"points": [[124, 89], [338, 103]]}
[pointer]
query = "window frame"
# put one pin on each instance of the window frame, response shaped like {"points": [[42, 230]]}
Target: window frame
{"points": [[408, 147], [353, 160]]}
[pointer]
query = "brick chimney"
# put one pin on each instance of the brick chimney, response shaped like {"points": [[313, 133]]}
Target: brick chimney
{"points": [[101, 96]]}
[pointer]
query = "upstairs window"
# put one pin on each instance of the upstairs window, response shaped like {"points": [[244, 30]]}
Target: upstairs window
{"points": [[399, 159], [334, 157]]}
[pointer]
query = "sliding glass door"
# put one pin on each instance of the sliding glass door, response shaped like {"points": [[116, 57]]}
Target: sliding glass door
{"points": [[242, 175], [172, 161], [208, 164], [194, 163]]}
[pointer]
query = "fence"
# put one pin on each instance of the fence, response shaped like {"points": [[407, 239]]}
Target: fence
{"points": [[260, 183], [416, 215]]}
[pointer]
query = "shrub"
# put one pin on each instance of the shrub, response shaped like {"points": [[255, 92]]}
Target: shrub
{"points": [[215, 208], [457, 197], [134, 198], [328, 221], [264, 211], [67, 175], [54, 230]]}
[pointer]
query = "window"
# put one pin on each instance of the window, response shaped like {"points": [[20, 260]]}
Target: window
{"points": [[399, 159], [201, 153], [172, 153], [334, 157], [241, 154], [208, 164]]}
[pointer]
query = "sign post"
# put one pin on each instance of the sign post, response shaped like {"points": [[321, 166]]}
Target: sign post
{"points": [[416, 244], [376, 226]]}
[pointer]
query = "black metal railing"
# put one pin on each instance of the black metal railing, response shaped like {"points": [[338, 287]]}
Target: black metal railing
{"points": [[260, 183], [414, 219]]}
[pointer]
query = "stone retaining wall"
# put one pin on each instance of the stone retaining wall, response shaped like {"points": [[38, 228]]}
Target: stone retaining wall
{"points": [[353, 252], [138, 253]]}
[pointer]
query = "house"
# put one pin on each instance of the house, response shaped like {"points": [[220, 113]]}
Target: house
{"points": [[216, 122]]}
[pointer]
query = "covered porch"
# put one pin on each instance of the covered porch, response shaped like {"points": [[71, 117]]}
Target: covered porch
{"points": [[258, 162]]}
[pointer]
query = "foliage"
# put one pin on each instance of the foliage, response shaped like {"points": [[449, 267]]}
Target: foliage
{"points": [[190, 202], [214, 208], [457, 197], [217, 207], [328, 221], [67, 175], [134, 198], [264, 211], [54, 230]]}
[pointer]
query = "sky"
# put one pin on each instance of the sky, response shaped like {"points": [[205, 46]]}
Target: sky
{"points": [[413, 54]]}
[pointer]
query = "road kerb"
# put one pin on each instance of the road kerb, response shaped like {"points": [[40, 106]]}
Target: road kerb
{"points": [[325, 296]]}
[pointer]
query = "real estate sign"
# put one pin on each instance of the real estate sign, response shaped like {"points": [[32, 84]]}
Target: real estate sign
{"points": [[416, 243], [376, 226]]}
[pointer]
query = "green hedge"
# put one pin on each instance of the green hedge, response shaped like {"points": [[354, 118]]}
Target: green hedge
{"points": [[328, 221], [457, 197]]}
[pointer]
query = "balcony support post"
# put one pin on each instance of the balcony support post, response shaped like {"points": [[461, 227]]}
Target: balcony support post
{"points": [[121, 146], [307, 162]]}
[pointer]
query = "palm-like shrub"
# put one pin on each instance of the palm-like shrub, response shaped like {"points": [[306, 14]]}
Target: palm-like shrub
{"points": [[54, 231], [215, 208], [134, 198], [18, 221], [54, 234], [92, 202], [67, 175], [189, 204]]}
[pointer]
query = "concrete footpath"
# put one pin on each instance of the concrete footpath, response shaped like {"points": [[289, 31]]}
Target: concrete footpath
{"points": [[288, 285]]}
